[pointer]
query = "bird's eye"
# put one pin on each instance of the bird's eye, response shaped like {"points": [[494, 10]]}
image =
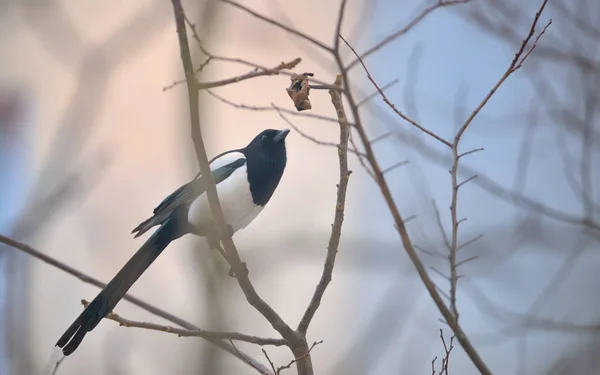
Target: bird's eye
{"points": [[264, 136]]}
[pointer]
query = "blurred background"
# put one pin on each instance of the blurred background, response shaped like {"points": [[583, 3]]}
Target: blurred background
{"points": [[90, 143]]}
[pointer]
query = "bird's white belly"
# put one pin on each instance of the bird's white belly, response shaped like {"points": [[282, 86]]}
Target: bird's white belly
{"points": [[236, 201]]}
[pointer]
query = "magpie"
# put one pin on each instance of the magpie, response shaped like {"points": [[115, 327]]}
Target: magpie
{"points": [[246, 179]]}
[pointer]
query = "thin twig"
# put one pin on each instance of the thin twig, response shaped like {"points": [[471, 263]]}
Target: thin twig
{"points": [[511, 69], [253, 74], [182, 332], [272, 107], [338, 27], [466, 181], [228, 81], [470, 152], [394, 166], [278, 24], [391, 105], [471, 241], [279, 369], [415, 21], [376, 93]]}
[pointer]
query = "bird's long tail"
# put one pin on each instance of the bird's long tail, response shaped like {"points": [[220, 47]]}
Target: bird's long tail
{"points": [[112, 293]]}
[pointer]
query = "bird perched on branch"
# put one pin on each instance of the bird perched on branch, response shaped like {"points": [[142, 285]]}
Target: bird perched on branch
{"points": [[245, 178]]}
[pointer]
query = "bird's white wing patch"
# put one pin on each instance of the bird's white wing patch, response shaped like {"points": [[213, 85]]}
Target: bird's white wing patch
{"points": [[235, 197], [226, 159]]}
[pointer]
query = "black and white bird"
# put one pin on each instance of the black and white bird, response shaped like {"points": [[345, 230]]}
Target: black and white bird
{"points": [[246, 179]]}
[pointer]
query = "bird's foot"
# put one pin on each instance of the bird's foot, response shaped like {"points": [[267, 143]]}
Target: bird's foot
{"points": [[244, 267], [214, 242]]}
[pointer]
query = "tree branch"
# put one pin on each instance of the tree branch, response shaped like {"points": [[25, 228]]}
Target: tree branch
{"points": [[336, 231], [414, 22], [404, 236], [390, 104], [278, 24], [134, 300], [222, 228], [182, 332]]}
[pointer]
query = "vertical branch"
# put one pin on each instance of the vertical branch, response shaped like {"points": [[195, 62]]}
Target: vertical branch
{"points": [[454, 237], [190, 78], [401, 228], [296, 341], [336, 230]]}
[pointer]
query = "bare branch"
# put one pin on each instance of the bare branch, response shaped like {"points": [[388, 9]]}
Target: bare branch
{"points": [[336, 230], [470, 152], [380, 137], [273, 107], [404, 236], [431, 253], [471, 241], [376, 93], [278, 24], [269, 360], [134, 300], [238, 267], [517, 61], [466, 181], [397, 165], [279, 369], [253, 74], [391, 105], [182, 332], [404, 30], [313, 139], [228, 81], [338, 27], [465, 261]]}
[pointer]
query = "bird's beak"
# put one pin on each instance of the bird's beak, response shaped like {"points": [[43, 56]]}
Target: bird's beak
{"points": [[281, 136]]}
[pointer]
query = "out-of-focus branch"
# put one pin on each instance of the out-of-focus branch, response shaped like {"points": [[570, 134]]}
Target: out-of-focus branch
{"points": [[272, 107], [450, 314], [336, 231], [415, 21], [403, 232], [277, 24], [134, 300], [392, 106], [522, 54]]}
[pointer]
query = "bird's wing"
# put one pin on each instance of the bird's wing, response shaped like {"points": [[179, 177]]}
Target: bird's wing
{"points": [[221, 168]]}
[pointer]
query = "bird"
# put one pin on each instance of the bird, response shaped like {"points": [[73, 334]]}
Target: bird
{"points": [[245, 178]]}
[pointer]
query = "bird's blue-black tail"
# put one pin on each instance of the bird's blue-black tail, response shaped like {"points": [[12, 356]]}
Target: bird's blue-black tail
{"points": [[108, 298]]}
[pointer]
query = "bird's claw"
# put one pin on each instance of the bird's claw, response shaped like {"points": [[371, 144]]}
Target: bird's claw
{"points": [[244, 267]]}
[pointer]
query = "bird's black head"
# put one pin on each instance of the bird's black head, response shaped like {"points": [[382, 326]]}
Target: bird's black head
{"points": [[266, 157]]}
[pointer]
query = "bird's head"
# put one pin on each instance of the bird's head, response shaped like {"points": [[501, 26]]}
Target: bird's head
{"points": [[268, 144]]}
